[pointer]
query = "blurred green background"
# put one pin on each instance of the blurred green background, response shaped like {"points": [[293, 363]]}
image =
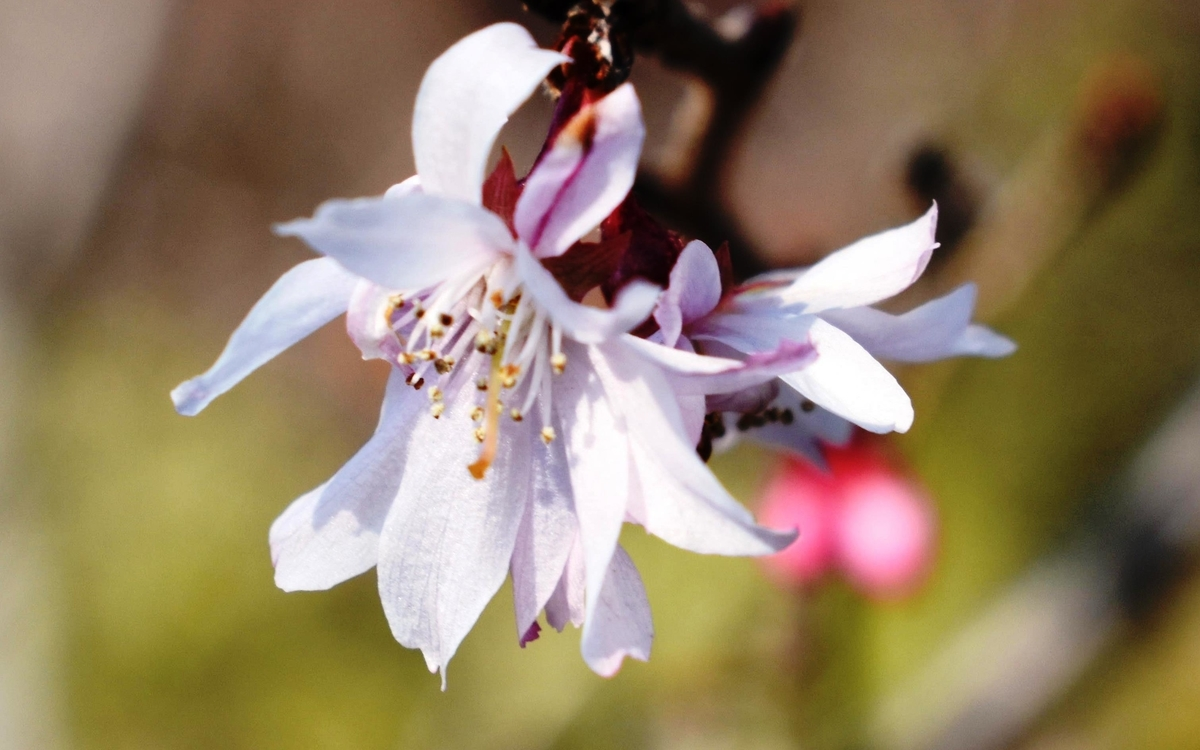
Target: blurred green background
{"points": [[148, 145]]}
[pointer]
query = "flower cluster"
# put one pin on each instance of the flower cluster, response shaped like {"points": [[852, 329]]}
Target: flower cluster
{"points": [[550, 382]]}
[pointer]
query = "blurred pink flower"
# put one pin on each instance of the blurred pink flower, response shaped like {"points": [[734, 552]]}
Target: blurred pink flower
{"points": [[861, 517]]}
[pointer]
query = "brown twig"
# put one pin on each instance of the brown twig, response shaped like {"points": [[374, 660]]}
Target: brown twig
{"points": [[734, 67]]}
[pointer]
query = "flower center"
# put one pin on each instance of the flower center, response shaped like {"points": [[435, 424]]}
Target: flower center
{"points": [[516, 352]]}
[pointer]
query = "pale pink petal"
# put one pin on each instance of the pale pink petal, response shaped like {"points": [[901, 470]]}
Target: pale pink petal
{"points": [[332, 533], [547, 533], [937, 329], [448, 539], [680, 499], [846, 380], [584, 175], [698, 374], [568, 603], [411, 185], [619, 619], [872, 269], [585, 324], [597, 446], [368, 322], [301, 301], [694, 290], [465, 98], [407, 242]]}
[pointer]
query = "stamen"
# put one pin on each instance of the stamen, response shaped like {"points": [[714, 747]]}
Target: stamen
{"points": [[481, 384], [480, 436], [446, 319], [443, 365], [436, 331], [477, 414], [485, 342], [405, 358], [516, 415], [548, 435], [437, 409], [558, 363], [427, 354], [435, 394]]}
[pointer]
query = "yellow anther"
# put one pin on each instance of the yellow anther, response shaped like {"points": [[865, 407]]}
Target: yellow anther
{"points": [[480, 435], [481, 384], [558, 363], [516, 415], [437, 409], [418, 310], [443, 366], [497, 299], [548, 435], [435, 394], [405, 358], [427, 354], [396, 300], [477, 414], [436, 331]]}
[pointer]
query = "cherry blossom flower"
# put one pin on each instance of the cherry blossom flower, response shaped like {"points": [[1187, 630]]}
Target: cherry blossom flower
{"points": [[860, 516], [520, 428], [828, 305]]}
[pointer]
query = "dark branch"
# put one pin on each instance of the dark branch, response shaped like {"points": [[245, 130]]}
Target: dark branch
{"points": [[734, 69]]}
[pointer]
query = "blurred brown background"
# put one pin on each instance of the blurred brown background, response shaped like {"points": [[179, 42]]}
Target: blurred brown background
{"points": [[146, 147]]}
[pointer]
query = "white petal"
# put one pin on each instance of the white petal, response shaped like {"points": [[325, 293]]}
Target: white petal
{"points": [[465, 98], [585, 324], [568, 603], [301, 301], [848, 381], [547, 533], [699, 374], [448, 539], [411, 185], [332, 533], [584, 176], [368, 324], [682, 502], [872, 269], [937, 329], [405, 242], [597, 448], [620, 624], [694, 290]]}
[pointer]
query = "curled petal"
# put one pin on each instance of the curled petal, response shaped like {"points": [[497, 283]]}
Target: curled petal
{"points": [[301, 301], [465, 98], [620, 623], [937, 329], [694, 291], [585, 324], [406, 242], [584, 175], [368, 322], [846, 380], [699, 374], [332, 533], [872, 269]]}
